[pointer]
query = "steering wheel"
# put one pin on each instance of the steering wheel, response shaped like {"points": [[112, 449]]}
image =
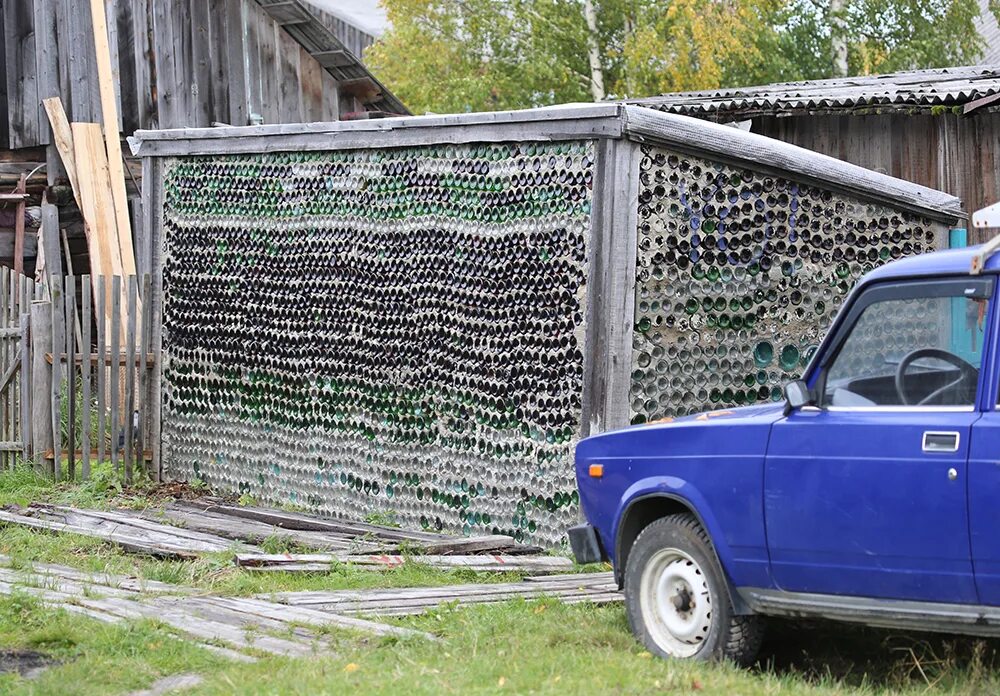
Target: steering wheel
{"points": [[966, 373]]}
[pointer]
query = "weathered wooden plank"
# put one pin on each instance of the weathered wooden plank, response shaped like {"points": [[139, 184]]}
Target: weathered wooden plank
{"points": [[132, 583], [62, 137], [169, 104], [84, 102], [310, 86], [267, 35], [200, 72], [278, 612], [115, 373], [112, 136], [58, 339], [41, 376], [70, 320], [290, 88], [248, 530], [129, 369], [152, 204], [22, 82], [143, 28], [136, 363], [219, 72], [101, 365], [97, 205], [238, 55], [86, 373], [482, 563], [126, 541], [293, 520], [171, 533], [25, 377]]}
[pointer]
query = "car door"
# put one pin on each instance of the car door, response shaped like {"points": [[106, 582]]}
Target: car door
{"points": [[984, 484], [865, 493]]}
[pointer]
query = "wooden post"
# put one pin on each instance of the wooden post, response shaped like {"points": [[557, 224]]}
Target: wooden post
{"points": [[26, 429], [55, 347], [41, 382], [86, 372], [19, 228]]}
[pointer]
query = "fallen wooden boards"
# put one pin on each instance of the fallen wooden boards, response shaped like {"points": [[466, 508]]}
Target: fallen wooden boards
{"points": [[203, 527], [244, 624], [128, 531], [321, 562], [424, 542], [599, 588]]}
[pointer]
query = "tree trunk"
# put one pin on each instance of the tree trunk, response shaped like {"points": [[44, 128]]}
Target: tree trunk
{"points": [[838, 36], [594, 52]]}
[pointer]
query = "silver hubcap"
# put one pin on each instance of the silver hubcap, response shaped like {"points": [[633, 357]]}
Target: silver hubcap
{"points": [[676, 603]]}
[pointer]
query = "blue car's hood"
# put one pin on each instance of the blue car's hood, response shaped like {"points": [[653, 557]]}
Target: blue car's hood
{"points": [[725, 430]]}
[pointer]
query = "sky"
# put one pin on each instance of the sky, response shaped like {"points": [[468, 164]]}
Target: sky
{"points": [[365, 14]]}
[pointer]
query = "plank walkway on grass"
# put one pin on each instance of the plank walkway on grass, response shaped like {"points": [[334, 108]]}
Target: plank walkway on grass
{"points": [[187, 529], [320, 562], [599, 588], [239, 624]]}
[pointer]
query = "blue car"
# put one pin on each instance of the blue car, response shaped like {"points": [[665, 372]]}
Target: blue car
{"points": [[872, 494]]}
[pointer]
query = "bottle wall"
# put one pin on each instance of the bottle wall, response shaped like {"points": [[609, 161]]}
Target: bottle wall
{"points": [[381, 330], [739, 274]]}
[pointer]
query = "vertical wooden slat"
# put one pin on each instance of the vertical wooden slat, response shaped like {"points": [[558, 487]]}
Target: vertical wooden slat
{"points": [[142, 397], [85, 101], [102, 369], [22, 83], [130, 377], [12, 354], [114, 374], [252, 59], [26, 397], [5, 357], [70, 294], [86, 370], [58, 341], [41, 376], [25, 388], [199, 67], [167, 102], [289, 85], [152, 205], [145, 67], [235, 60]]}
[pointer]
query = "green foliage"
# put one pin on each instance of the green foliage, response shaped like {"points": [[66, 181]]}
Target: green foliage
{"points": [[484, 54], [383, 518]]}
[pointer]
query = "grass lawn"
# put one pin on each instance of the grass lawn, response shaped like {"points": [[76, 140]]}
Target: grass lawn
{"points": [[516, 647]]}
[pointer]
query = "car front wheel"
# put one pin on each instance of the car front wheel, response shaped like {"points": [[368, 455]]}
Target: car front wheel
{"points": [[677, 602]]}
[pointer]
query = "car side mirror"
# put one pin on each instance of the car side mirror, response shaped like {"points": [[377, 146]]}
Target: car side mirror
{"points": [[797, 395]]}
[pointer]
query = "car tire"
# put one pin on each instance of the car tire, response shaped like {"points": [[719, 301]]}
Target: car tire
{"points": [[677, 599]]}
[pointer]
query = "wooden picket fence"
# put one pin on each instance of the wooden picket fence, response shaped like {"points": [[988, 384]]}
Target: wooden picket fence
{"points": [[80, 347]]}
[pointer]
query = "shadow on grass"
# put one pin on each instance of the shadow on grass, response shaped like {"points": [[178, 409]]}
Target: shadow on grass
{"points": [[827, 651]]}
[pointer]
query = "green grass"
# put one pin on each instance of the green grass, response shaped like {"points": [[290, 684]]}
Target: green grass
{"points": [[521, 646]]}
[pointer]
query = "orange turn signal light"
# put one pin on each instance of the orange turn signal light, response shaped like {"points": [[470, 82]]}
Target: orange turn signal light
{"points": [[596, 470]]}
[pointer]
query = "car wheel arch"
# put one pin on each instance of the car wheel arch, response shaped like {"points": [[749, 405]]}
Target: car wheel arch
{"points": [[644, 509]]}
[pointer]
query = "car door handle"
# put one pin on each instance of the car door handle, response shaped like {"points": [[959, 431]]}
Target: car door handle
{"points": [[935, 441]]}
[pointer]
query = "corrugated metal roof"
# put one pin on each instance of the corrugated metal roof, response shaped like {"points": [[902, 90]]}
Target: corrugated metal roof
{"points": [[918, 89]]}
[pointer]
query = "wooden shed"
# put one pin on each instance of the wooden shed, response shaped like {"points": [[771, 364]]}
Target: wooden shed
{"points": [[176, 64], [425, 314], [938, 128]]}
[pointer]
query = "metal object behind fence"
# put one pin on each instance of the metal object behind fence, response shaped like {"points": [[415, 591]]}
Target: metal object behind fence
{"points": [[400, 329]]}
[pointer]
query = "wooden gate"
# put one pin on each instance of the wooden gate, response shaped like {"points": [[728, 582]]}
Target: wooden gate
{"points": [[16, 295]]}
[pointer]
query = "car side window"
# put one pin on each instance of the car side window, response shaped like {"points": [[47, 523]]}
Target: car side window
{"points": [[910, 351]]}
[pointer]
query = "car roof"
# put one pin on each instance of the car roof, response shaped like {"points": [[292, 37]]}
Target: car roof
{"points": [[947, 262]]}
